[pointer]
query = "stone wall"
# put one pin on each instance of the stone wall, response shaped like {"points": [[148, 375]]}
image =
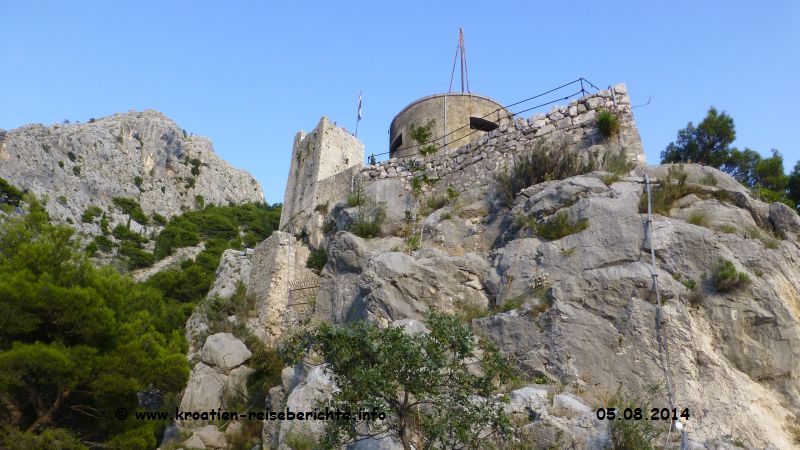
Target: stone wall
{"points": [[325, 152], [476, 163], [278, 270]]}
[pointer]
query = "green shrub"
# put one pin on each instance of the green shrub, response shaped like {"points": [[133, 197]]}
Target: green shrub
{"points": [[435, 202], [631, 434], [511, 304], [104, 243], [422, 136], [730, 229], [322, 208], [708, 180], [609, 179], [767, 238], [429, 149], [299, 440], [317, 260], [9, 194], [416, 185], [76, 170], [544, 162], [123, 233], [558, 226], [452, 194], [137, 180], [698, 218], [364, 227], [669, 189], [189, 183], [618, 163], [727, 278], [724, 196], [62, 199], [268, 365], [159, 219], [104, 224], [179, 232], [199, 201], [226, 223], [137, 257], [91, 213], [132, 208], [328, 226], [413, 166], [357, 197], [71, 156], [413, 242], [61, 164], [607, 123], [53, 438]]}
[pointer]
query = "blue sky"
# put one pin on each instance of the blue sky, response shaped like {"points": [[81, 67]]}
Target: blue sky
{"points": [[249, 75]]}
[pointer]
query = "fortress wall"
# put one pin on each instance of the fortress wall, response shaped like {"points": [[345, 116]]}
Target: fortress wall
{"points": [[476, 163], [325, 152]]}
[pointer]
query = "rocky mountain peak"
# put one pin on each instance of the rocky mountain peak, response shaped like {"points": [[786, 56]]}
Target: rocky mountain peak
{"points": [[143, 156]]}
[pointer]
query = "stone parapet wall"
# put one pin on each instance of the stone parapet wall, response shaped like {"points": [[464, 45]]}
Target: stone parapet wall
{"points": [[476, 163], [326, 152]]}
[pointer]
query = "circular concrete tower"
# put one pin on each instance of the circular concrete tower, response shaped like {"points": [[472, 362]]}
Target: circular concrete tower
{"points": [[460, 117]]}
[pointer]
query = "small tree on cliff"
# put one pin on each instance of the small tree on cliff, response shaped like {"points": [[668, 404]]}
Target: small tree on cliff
{"points": [[437, 388]]}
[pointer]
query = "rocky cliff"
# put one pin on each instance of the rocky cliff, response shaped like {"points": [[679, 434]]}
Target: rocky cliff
{"points": [[558, 273], [143, 156]]}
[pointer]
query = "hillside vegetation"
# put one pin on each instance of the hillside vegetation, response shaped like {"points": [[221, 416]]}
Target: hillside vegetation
{"points": [[77, 342]]}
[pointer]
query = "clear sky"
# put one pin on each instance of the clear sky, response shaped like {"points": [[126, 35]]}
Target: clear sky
{"points": [[249, 75]]}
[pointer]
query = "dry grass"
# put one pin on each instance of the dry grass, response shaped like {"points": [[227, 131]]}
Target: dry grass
{"points": [[546, 161], [698, 218]]}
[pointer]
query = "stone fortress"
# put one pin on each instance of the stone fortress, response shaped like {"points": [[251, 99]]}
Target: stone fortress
{"points": [[734, 360], [327, 165]]}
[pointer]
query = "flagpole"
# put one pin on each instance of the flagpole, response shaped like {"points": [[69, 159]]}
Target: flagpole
{"points": [[358, 114]]}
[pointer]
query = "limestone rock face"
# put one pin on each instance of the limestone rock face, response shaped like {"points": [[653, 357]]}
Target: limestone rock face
{"points": [[234, 268], [735, 359], [140, 155], [224, 351], [204, 390], [317, 386], [582, 311], [385, 285]]}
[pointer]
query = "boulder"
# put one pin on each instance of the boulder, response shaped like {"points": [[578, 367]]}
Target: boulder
{"points": [[234, 268], [204, 390], [571, 403], [225, 351], [194, 442], [317, 387], [211, 436], [236, 383]]}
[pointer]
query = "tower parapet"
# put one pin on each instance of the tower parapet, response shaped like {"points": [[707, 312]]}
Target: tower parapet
{"points": [[459, 119], [323, 163]]}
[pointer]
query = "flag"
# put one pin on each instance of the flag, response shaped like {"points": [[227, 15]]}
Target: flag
{"points": [[359, 106]]}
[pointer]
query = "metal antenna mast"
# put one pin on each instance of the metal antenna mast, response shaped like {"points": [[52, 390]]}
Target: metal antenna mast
{"points": [[461, 51]]}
